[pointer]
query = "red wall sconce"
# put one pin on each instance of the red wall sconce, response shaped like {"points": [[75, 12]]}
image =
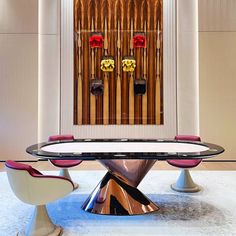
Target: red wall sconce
{"points": [[139, 40], [96, 40]]}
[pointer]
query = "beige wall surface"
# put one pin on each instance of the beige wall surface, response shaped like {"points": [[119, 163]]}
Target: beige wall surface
{"points": [[29, 74], [18, 77], [217, 45], [217, 15]]}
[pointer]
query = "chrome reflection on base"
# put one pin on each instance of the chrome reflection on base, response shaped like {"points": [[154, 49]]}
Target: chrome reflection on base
{"points": [[117, 194]]}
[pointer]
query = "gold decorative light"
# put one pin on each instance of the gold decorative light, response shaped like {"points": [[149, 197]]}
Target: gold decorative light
{"points": [[108, 64], [129, 64]]}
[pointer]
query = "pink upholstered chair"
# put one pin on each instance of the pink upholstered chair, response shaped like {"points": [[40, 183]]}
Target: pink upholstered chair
{"points": [[64, 164], [32, 187], [185, 182]]}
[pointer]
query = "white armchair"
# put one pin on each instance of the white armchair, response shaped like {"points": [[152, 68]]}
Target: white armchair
{"points": [[34, 188]]}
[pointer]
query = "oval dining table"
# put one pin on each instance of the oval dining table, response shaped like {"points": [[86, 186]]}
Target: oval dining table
{"points": [[127, 162]]}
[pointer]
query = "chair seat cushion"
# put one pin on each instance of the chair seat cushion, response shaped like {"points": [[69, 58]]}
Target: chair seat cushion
{"points": [[184, 163], [65, 163]]}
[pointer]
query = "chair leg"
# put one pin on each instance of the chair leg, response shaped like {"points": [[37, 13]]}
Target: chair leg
{"points": [[185, 183], [65, 173], [41, 225]]}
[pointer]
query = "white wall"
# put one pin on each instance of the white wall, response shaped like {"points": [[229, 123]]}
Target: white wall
{"points": [[18, 77]]}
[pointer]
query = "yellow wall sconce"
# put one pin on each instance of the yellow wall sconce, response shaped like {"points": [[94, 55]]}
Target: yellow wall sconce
{"points": [[107, 64], [128, 64]]}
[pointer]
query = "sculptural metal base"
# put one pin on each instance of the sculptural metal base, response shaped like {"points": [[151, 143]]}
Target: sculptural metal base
{"points": [[114, 197], [117, 194]]}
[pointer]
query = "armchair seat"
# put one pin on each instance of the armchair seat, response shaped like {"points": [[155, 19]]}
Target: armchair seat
{"points": [[65, 163], [185, 163]]}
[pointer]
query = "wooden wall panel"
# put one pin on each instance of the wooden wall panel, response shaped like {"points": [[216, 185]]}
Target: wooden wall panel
{"points": [[118, 21]]}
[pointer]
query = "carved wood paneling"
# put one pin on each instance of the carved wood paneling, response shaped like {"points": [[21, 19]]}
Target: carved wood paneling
{"points": [[118, 21]]}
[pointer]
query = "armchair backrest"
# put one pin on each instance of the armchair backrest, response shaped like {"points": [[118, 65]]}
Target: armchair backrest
{"points": [[61, 137], [188, 137]]}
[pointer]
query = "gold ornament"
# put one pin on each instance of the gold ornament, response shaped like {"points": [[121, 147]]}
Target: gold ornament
{"points": [[128, 64], [107, 65]]}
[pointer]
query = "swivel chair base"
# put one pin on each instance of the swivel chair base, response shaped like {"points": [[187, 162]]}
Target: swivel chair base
{"points": [[41, 225], [185, 183]]}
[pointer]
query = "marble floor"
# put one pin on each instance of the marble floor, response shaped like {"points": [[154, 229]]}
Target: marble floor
{"points": [[209, 212]]}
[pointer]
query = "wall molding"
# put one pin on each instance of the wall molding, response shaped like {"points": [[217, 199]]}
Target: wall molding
{"points": [[187, 67]]}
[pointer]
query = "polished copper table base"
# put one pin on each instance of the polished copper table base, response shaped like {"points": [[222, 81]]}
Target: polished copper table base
{"points": [[114, 197], [117, 194]]}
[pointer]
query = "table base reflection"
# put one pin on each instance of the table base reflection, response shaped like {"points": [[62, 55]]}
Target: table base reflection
{"points": [[117, 193]]}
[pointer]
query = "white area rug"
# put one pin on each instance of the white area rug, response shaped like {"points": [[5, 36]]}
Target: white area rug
{"points": [[209, 212]]}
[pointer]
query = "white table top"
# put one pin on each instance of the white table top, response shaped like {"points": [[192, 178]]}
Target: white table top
{"points": [[124, 147]]}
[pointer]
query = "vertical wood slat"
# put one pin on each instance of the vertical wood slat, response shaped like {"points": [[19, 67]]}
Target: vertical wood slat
{"points": [[145, 61], [112, 19], [93, 74], [144, 55], [86, 74], [98, 28], [77, 65], [157, 63], [79, 81], [106, 75], [151, 65], [139, 16], [131, 75], [118, 67], [160, 14], [124, 52], [126, 84]]}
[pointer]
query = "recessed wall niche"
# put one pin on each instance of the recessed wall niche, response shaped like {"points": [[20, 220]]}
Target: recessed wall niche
{"points": [[118, 62]]}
